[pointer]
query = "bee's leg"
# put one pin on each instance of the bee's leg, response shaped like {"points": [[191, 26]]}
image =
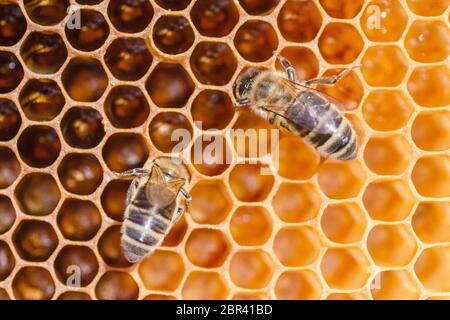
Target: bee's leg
{"points": [[134, 172], [290, 71], [330, 81], [241, 102], [272, 118], [131, 190], [187, 196]]}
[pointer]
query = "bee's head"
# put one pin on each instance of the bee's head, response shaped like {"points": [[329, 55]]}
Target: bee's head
{"points": [[244, 82]]}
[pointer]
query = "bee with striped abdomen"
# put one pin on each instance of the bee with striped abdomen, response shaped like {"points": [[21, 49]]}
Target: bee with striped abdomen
{"points": [[306, 112], [155, 201]]}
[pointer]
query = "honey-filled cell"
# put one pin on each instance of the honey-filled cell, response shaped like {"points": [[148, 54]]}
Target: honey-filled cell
{"points": [[211, 154], [33, 283], [251, 225], [130, 16], [11, 72], [430, 79], [10, 119], [202, 285], [8, 261], [251, 269], [251, 182], [46, 13], [212, 109], [427, 8], [430, 176], [7, 214], [298, 285], [432, 268], [116, 285], [299, 21], [214, 18], [211, 256], [113, 198], [431, 221], [9, 167], [13, 24], [256, 40], [430, 132], [173, 34], [110, 249], [170, 131]]}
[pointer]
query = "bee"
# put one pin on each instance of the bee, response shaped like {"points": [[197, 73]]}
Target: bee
{"points": [[306, 112], [155, 202]]}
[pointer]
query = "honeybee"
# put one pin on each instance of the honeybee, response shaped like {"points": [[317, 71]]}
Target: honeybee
{"points": [[306, 112], [154, 204]]}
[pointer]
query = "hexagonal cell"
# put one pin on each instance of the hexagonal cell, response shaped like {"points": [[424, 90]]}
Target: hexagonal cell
{"points": [[176, 233], [9, 167], [128, 59], [299, 21], [340, 180], [35, 240], [256, 40], [74, 295], [384, 21], [158, 297], [296, 246], [10, 120], [79, 260], [211, 255], [395, 285], [46, 13], [431, 221], [345, 268], [347, 296], [80, 173], [162, 271], [251, 182], [37, 194], [384, 66], [302, 59], [428, 79], [124, 151], [433, 268], [386, 110], [211, 154], [259, 7], [425, 8], [169, 85], [113, 198], [430, 130], [33, 283], [388, 155], [173, 34], [431, 176], [344, 222], [110, 249], [12, 24], [203, 285], [11, 72], [4, 295], [340, 43], [170, 131], [79, 220], [8, 261], [116, 285], [213, 63], [251, 225], [391, 245], [342, 9], [130, 16], [388, 200], [7, 214], [251, 269], [173, 4], [212, 109], [92, 32], [214, 18], [298, 285], [82, 127]]}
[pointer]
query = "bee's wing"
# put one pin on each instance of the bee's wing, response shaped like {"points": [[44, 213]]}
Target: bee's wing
{"points": [[161, 192]]}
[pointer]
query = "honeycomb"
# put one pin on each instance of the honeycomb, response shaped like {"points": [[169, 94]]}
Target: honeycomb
{"points": [[77, 103]]}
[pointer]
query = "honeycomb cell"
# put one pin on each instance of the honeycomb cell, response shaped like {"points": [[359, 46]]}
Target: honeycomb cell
{"points": [[116, 285], [11, 72], [170, 132], [76, 260], [113, 198], [110, 249], [384, 21], [79, 220], [433, 268], [39, 146], [388, 200], [296, 202], [395, 285], [258, 7], [207, 248], [431, 222], [298, 285], [128, 59], [299, 21], [386, 110], [169, 85], [35, 240], [251, 182], [7, 260], [213, 63], [204, 285], [9, 167], [123, 151], [430, 130], [342, 9], [345, 268], [391, 245], [37, 194], [426, 8], [302, 59], [294, 150], [12, 24], [256, 40], [176, 233], [159, 297], [80, 173], [45, 12], [92, 32], [251, 225], [10, 120], [340, 43], [296, 246], [74, 295], [251, 269], [431, 176], [33, 283], [173, 34], [174, 5], [340, 180], [214, 18], [163, 271], [130, 16], [7, 214], [430, 79], [388, 155], [211, 155], [82, 127], [212, 109], [4, 295]]}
